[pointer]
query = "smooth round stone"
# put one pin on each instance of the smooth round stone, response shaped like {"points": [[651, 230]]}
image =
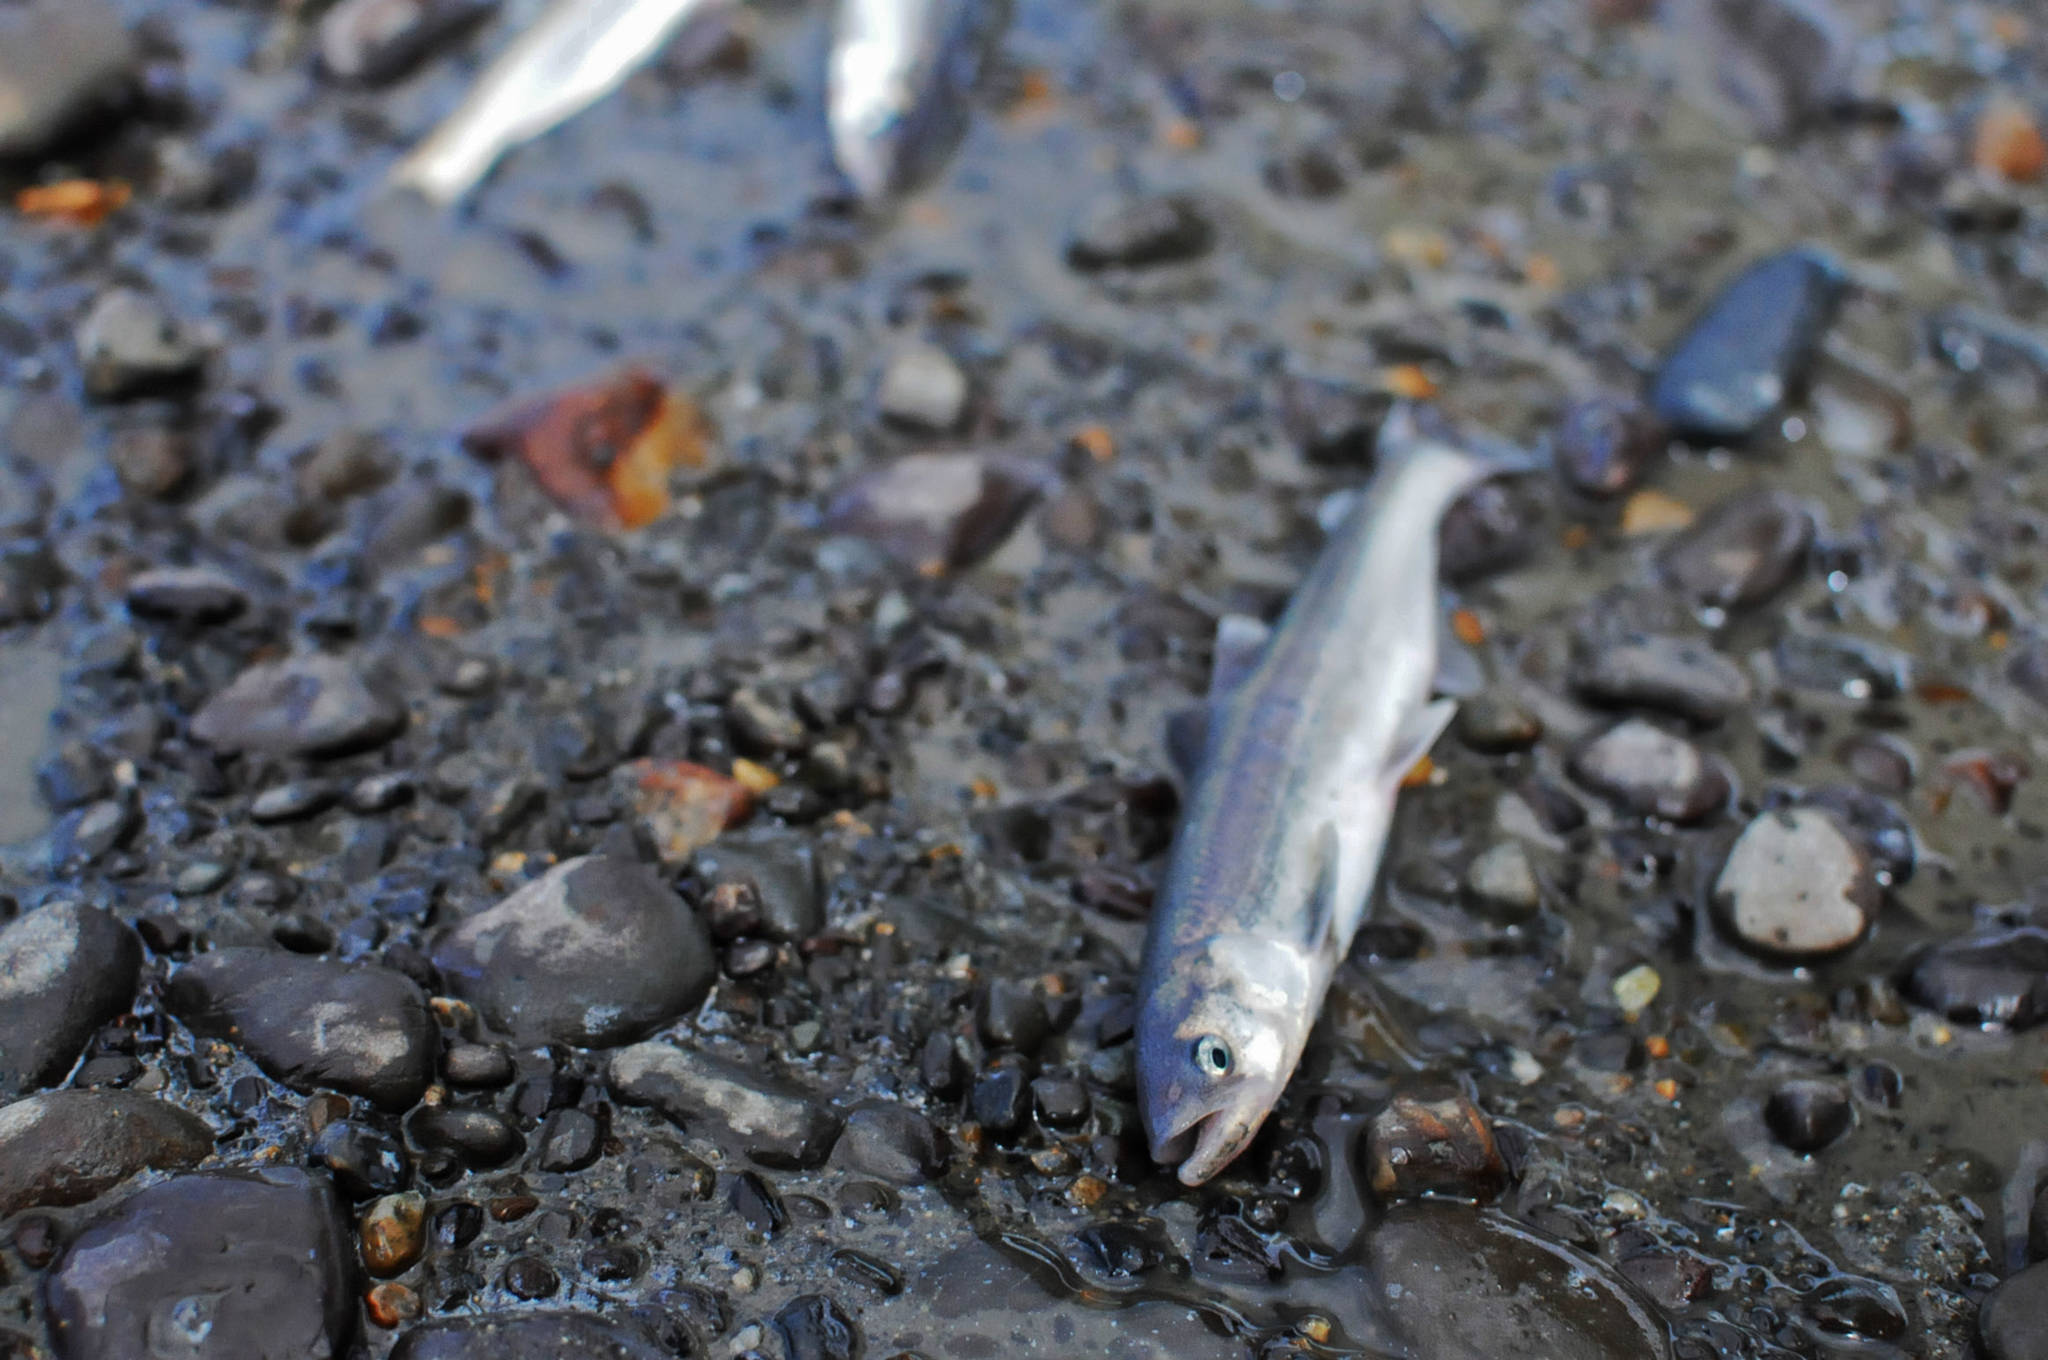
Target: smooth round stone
{"points": [[1796, 887], [1807, 1114]]}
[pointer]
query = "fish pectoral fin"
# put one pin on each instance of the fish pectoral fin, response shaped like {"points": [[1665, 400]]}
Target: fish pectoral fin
{"points": [[1417, 735], [1240, 647], [1322, 898]]}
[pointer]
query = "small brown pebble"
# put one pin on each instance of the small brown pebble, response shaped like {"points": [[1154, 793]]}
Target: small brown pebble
{"points": [[512, 1208], [324, 1110], [1444, 1146], [391, 1304], [394, 1233]]}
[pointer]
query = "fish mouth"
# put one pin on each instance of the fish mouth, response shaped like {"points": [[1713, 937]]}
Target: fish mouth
{"points": [[1203, 1144]]}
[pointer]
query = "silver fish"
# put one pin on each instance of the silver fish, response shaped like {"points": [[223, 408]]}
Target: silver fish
{"points": [[578, 52], [899, 84], [1313, 729]]}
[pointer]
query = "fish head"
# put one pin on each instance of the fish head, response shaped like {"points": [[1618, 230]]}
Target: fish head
{"points": [[1218, 1037]]}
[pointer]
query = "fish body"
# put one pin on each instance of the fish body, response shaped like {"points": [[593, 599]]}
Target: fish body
{"points": [[900, 81], [1276, 856], [578, 52]]}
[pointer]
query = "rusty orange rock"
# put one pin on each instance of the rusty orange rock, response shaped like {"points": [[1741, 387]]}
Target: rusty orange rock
{"points": [[685, 806], [83, 202], [602, 450], [2009, 142]]}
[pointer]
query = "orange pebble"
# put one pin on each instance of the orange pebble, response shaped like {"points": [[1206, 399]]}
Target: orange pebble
{"points": [[2009, 142], [391, 1303], [1466, 626]]}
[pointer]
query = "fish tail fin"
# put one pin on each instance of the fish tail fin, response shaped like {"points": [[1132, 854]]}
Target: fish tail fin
{"points": [[1412, 432]]}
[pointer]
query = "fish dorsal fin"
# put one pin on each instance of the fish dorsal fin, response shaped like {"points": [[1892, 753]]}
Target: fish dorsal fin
{"points": [[1240, 647], [1417, 735]]}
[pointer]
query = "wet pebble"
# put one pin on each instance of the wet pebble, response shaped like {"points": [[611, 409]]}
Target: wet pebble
{"points": [[394, 1233], [1740, 552], [130, 345], [923, 390], [374, 42], [1491, 723], [530, 1278], [890, 1142], [1999, 978], [814, 1327], [1796, 887], [570, 1140], [223, 1264], [65, 970], [1133, 233], [314, 1023], [293, 802], [1417, 1146], [482, 1065], [311, 705], [364, 1161], [2013, 1320], [476, 1136], [528, 1336], [151, 462], [1464, 1282], [1750, 350], [1651, 772], [1501, 881], [1806, 1114], [938, 512], [188, 595], [1001, 1097], [1486, 532], [782, 872], [761, 724], [1684, 677], [1011, 1014], [596, 952], [67, 1147], [770, 1122], [1604, 444], [60, 61]]}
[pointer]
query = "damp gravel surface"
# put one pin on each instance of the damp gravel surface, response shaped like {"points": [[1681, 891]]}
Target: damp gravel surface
{"points": [[584, 775]]}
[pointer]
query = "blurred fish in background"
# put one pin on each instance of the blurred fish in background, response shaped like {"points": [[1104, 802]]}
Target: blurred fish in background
{"points": [[900, 87]]}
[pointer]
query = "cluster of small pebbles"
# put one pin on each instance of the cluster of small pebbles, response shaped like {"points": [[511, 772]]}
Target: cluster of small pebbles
{"points": [[587, 777]]}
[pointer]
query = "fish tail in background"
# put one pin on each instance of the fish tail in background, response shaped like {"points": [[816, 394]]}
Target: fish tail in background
{"points": [[900, 86], [1410, 432], [578, 52]]}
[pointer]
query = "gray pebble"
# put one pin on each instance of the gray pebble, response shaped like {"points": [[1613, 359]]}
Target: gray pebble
{"points": [[1502, 881], [130, 344], [1684, 677], [923, 390], [1651, 772], [65, 970], [773, 1124], [68, 1147]]}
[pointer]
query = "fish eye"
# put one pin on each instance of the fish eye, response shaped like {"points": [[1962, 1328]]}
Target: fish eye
{"points": [[1212, 1055]]}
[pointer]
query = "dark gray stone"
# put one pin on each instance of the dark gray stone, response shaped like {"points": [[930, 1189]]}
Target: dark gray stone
{"points": [[782, 870], [814, 1327], [1740, 552], [1685, 677], [890, 1142], [1807, 1113], [65, 970], [938, 512], [1465, 1282], [475, 1135], [596, 952], [770, 1122], [1749, 351], [2013, 1321], [570, 1140], [1604, 444], [226, 1266], [366, 1161], [192, 595], [529, 1336], [313, 705], [130, 344], [1995, 979], [60, 61], [67, 1147], [314, 1023], [1132, 233]]}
